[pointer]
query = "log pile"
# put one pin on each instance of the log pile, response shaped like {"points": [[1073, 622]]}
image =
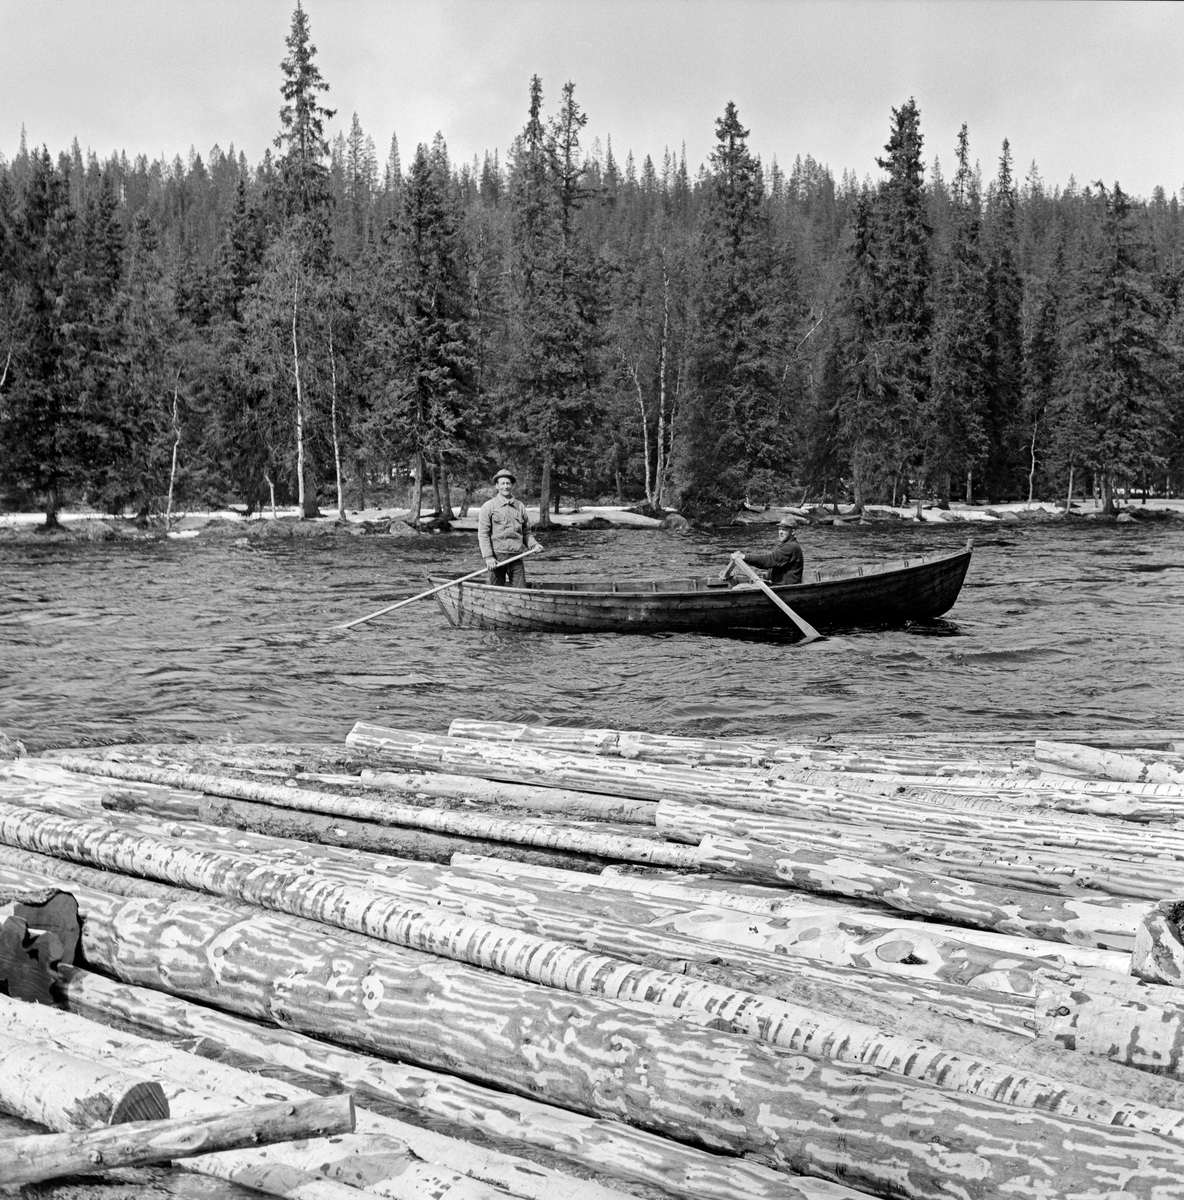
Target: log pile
{"points": [[592, 962]]}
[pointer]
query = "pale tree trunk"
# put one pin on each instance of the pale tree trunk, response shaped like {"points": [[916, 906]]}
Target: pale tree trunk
{"points": [[969, 485], [443, 489], [299, 404], [1032, 465], [333, 414], [436, 487], [271, 489], [645, 434], [416, 491], [1069, 497], [671, 427], [168, 516], [660, 467], [545, 492], [856, 479]]}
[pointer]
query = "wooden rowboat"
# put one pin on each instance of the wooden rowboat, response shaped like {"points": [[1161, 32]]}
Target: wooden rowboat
{"points": [[890, 594]]}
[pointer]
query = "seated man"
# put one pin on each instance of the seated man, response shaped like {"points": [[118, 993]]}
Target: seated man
{"points": [[784, 561]]}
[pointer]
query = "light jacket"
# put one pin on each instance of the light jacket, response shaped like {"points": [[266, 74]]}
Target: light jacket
{"points": [[503, 528]]}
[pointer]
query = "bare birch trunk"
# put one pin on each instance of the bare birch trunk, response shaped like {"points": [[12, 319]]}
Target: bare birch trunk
{"points": [[650, 491], [660, 464], [969, 485], [1032, 465], [333, 415], [168, 517], [299, 403], [271, 489]]}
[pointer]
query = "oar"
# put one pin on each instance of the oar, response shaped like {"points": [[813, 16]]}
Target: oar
{"points": [[809, 633], [432, 591]]}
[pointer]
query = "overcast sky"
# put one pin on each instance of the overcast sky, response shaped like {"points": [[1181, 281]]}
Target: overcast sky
{"points": [[1094, 90]]}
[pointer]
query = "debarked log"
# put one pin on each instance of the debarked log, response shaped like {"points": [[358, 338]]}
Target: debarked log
{"points": [[976, 855], [725, 752], [512, 1122], [1127, 768], [561, 965], [1107, 922], [384, 1156], [766, 907], [939, 1012], [34, 1159], [867, 1129], [62, 1092], [540, 834], [561, 801]]}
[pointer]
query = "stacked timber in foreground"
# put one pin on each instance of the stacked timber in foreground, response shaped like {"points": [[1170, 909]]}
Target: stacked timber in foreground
{"points": [[590, 963]]}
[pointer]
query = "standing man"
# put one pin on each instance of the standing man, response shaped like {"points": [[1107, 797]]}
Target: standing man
{"points": [[784, 561], [503, 530]]}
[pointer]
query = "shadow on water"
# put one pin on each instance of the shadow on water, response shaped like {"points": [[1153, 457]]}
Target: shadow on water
{"points": [[168, 641]]}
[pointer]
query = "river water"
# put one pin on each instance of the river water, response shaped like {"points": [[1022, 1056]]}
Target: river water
{"points": [[1056, 627]]}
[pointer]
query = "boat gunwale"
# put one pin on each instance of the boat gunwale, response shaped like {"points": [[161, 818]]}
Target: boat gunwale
{"points": [[896, 567]]}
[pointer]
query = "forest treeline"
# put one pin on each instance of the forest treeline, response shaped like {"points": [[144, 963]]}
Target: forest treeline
{"points": [[323, 327]]}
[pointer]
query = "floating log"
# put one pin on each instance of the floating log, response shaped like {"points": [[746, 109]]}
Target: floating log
{"points": [[1127, 768], [1106, 922], [384, 1156], [561, 801], [63, 1092], [512, 1122], [728, 1093], [538, 834], [34, 1159]]}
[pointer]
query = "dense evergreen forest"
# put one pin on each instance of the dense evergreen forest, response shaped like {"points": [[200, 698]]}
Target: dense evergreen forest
{"points": [[328, 327]]}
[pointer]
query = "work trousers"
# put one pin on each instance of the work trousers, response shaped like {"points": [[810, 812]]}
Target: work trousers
{"points": [[511, 575]]}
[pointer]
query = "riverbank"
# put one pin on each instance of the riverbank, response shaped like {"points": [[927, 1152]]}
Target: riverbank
{"points": [[88, 526]]}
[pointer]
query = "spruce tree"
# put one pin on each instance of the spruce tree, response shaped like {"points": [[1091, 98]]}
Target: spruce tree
{"points": [[904, 314], [736, 430], [952, 425], [1119, 358], [553, 301], [1005, 431]]}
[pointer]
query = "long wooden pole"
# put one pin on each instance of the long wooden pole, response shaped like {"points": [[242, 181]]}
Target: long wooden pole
{"points": [[809, 633], [38, 1158], [433, 591]]}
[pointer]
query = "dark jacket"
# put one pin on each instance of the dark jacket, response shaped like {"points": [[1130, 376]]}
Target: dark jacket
{"points": [[783, 562]]}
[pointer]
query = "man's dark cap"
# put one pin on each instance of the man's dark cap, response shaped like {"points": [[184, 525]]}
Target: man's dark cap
{"points": [[504, 474], [788, 523]]}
